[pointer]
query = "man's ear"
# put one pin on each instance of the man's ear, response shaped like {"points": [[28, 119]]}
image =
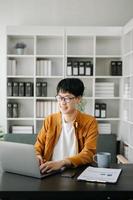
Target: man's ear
{"points": [[78, 99]]}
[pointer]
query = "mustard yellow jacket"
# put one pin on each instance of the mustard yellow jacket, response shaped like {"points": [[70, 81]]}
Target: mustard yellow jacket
{"points": [[86, 132]]}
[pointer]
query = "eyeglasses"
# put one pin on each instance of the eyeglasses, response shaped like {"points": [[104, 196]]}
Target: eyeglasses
{"points": [[65, 99]]}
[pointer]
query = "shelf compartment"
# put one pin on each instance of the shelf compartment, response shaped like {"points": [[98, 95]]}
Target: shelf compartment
{"points": [[112, 106], [49, 45], [80, 45], [25, 107], [103, 66], [128, 65], [128, 110], [115, 90], [113, 123], [28, 40], [20, 66], [19, 123], [128, 42], [45, 108], [127, 88], [49, 66], [51, 85], [107, 45]]}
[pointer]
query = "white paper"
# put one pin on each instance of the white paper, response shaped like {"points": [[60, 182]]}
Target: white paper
{"points": [[104, 175]]}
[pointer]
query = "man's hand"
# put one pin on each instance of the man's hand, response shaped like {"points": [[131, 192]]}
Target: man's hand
{"points": [[49, 166], [40, 160]]}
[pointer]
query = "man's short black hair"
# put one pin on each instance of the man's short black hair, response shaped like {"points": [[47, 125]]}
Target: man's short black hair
{"points": [[72, 85]]}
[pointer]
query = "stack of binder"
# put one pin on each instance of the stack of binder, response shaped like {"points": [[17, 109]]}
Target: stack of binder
{"points": [[12, 67], [44, 67], [104, 89], [22, 129], [45, 108], [100, 110], [116, 68], [79, 68], [104, 128]]}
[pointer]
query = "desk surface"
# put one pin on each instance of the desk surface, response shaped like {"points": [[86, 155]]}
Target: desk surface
{"points": [[15, 186]]}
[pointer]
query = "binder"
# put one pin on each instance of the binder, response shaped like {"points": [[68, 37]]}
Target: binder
{"points": [[21, 89], [15, 110], [69, 68], [9, 110], [38, 89], [81, 68], [103, 110], [114, 68], [119, 68], [15, 89], [88, 68], [9, 89], [44, 89], [97, 110], [28, 89], [75, 68]]}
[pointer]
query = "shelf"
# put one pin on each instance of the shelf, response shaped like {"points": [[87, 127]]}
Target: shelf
{"points": [[20, 77], [113, 98], [108, 119], [49, 56], [21, 98], [20, 56], [49, 77], [79, 56], [45, 60], [109, 77], [108, 56], [20, 119]]}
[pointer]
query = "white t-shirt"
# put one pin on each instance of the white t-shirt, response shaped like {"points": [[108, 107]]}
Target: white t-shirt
{"points": [[67, 144]]}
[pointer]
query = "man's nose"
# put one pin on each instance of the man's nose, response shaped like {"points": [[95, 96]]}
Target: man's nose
{"points": [[63, 101]]}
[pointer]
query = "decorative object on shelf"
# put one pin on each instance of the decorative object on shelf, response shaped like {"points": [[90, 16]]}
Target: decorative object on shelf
{"points": [[81, 105], [20, 46]]}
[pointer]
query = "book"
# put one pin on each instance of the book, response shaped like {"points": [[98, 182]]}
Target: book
{"points": [[97, 174]]}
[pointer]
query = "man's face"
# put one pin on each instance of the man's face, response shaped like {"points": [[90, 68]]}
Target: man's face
{"points": [[67, 102]]}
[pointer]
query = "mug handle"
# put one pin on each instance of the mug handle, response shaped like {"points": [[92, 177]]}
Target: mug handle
{"points": [[95, 158]]}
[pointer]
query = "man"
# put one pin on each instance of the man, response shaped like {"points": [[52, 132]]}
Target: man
{"points": [[67, 138]]}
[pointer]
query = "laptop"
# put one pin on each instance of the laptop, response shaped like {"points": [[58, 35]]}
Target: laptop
{"points": [[21, 159]]}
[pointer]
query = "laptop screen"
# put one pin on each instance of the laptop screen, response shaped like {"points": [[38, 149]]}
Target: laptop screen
{"points": [[21, 159]]}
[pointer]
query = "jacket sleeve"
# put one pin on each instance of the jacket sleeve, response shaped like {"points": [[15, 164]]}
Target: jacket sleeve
{"points": [[88, 148]]}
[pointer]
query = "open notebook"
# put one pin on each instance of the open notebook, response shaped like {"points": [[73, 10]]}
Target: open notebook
{"points": [[104, 175], [20, 159]]}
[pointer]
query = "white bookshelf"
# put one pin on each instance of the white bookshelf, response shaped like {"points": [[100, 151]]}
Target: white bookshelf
{"points": [[100, 45], [126, 131]]}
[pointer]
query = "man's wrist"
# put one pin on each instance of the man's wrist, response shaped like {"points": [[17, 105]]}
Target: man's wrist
{"points": [[66, 163]]}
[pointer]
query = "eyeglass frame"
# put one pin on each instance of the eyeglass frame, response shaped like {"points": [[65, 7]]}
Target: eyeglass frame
{"points": [[65, 99]]}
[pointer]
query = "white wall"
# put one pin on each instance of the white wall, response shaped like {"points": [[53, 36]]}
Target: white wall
{"points": [[66, 12], [58, 13]]}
